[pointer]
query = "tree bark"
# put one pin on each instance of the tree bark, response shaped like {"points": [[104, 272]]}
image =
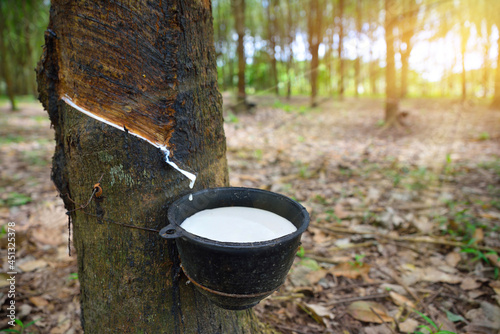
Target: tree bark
{"points": [[272, 31], [315, 36], [373, 73], [495, 104], [221, 38], [341, 49], [357, 61], [5, 69], [464, 37], [131, 280], [408, 30], [239, 18], [290, 39], [392, 101]]}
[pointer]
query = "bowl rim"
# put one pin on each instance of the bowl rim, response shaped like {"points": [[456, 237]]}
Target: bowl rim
{"points": [[237, 245]]}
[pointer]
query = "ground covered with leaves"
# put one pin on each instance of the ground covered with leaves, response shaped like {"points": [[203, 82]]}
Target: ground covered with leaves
{"points": [[404, 232]]}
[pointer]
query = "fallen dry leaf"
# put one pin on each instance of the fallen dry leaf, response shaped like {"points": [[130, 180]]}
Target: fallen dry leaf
{"points": [[495, 285], [478, 235], [486, 317], [378, 329], [469, 283], [452, 259], [352, 270], [369, 312], [423, 224], [434, 275], [401, 300], [320, 237], [494, 259], [38, 301], [339, 211], [317, 312], [3, 280], [408, 326], [63, 327], [315, 276], [475, 294], [32, 265], [442, 319], [492, 313]]}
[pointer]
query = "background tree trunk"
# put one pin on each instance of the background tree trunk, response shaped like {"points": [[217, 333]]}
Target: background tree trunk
{"points": [[464, 37], [272, 30], [341, 49], [131, 281], [290, 38], [314, 27], [391, 104], [5, 68], [357, 61], [239, 18], [408, 27], [496, 98]]}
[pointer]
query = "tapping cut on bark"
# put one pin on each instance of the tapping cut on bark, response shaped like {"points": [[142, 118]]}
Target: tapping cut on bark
{"points": [[119, 66]]}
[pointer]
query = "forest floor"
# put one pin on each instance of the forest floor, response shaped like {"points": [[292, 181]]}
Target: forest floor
{"points": [[405, 222]]}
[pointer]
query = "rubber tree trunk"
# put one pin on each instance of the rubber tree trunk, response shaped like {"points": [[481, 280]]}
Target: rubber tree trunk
{"points": [[408, 28], [131, 280], [391, 104], [5, 67], [357, 61], [290, 38], [496, 98], [315, 38], [221, 38], [341, 87], [272, 31], [463, 48], [239, 20]]}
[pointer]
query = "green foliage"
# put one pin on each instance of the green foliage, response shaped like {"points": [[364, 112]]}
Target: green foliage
{"points": [[459, 221], [453, 317], [304, 172], [36, 158], [11, 139], [303, 110], [309, 263], [481, 255], [411, 178], [332, 217], [22, 33], [285, 107], [484, 136], [420, 179], [495, 203], [449, 168], [493, 165], [320, 199], [15, 199], [301, 252], [73, 276], [259, 154], [434, 329], [358, 260], [20, 324], [40, 119], [231, 118]]}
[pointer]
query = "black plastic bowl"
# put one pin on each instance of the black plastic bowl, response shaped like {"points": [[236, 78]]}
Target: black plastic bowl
{"points": [[235, 275]]}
